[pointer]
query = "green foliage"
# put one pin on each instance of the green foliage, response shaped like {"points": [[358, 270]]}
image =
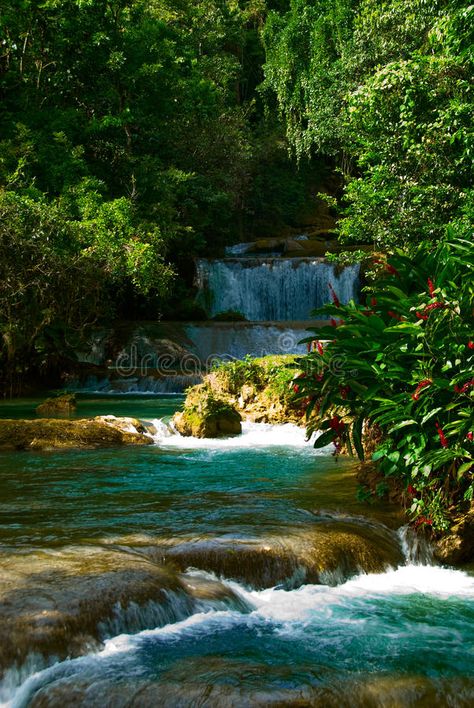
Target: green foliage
{"points": [[387, 89], [404, 362], [238, 373]]}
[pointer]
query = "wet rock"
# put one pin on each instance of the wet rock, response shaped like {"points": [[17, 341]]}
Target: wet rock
{"points": [[328, 553], [206, 416], [49, 434], [58, 405], [66, 603], [457, 546]]}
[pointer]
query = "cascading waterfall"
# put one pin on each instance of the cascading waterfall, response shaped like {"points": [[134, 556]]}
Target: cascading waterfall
{"points": [[273, 289]]}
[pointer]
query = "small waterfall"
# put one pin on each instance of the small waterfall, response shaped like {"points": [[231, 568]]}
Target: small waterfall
{"points": [[273, 289], [416, 549]]}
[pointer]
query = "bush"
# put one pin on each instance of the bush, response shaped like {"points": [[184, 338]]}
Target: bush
{"points": [[404, 362]]}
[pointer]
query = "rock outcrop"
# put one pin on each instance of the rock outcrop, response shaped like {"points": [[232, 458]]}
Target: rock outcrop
{"points": [[457, 546], [58, 405], [50, 434], [257, 390]]}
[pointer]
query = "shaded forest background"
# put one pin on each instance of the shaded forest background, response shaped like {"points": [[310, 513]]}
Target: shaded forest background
{"points": [[136, 136]]}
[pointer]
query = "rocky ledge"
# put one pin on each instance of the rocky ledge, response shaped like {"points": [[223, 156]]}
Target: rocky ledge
{"points": [[257, 390], [51, 434]]}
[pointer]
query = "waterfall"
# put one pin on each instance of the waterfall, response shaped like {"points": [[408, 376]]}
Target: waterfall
{"points": [[273, 289]]}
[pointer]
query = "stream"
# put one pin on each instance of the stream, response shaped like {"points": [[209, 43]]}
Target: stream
{"points": [[232, 572]]}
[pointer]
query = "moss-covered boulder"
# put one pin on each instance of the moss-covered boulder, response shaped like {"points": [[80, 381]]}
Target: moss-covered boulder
{"points": [[50, 434], [58, 405], [207, 416]]}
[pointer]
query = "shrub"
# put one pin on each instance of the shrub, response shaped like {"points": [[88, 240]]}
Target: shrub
{"points": [[404, 362]]}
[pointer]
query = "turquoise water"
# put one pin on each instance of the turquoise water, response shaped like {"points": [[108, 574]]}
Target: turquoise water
{"points": [[247, 519]]}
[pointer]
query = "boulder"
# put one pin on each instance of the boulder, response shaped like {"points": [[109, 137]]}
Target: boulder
{"points": [[58, 405], [207, 416]]}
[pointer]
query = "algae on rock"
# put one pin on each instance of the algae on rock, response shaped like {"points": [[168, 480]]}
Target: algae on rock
{"points": [[206, 415], [47, 434]]}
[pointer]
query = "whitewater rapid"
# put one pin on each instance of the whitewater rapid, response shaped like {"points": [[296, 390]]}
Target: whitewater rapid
{"points": [[360, 607]]}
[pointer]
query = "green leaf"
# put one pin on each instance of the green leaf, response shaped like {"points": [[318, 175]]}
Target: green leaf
{"points": [[357, 436], [324, 439]]}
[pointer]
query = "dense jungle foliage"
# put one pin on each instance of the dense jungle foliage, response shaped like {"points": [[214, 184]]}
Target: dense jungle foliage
{"points": [[402, 365], [137, 135]]}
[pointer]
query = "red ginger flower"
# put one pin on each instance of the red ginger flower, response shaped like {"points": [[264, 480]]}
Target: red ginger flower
{"points": [[470, 436], [470, 345], [431, 287], [319, 347], [423, 520], [442, 436], [391, 269], [296, 388], [411, 490], [335, 299], [465, 387], [423, 384], [394, 315], [373, 301], [337, 425]]}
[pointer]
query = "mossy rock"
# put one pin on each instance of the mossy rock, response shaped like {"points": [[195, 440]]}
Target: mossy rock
{"points": [[50, 434], [58, 405], [207, 416]]}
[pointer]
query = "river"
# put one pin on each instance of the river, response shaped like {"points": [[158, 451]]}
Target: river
{"points": [[233, 572]]}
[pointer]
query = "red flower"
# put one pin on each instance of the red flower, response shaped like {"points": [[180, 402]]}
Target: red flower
{"points": [[423, 520], [470, 436], [470, 345], [442, 436], [465, 387], [335, 299], [337, 425], [394, 315], [296, 388], [319, 347], [391, 269], [373, 301], [431, 287], [432, 306], [411, 490], [344, 391], [423, 384]]}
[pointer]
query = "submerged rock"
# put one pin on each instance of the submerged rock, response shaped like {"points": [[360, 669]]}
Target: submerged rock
{"points": [[58, 405], [49, 434], [207, 416]]}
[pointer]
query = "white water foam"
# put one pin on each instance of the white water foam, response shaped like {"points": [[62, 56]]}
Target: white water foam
{"points": [[254, 435]]}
